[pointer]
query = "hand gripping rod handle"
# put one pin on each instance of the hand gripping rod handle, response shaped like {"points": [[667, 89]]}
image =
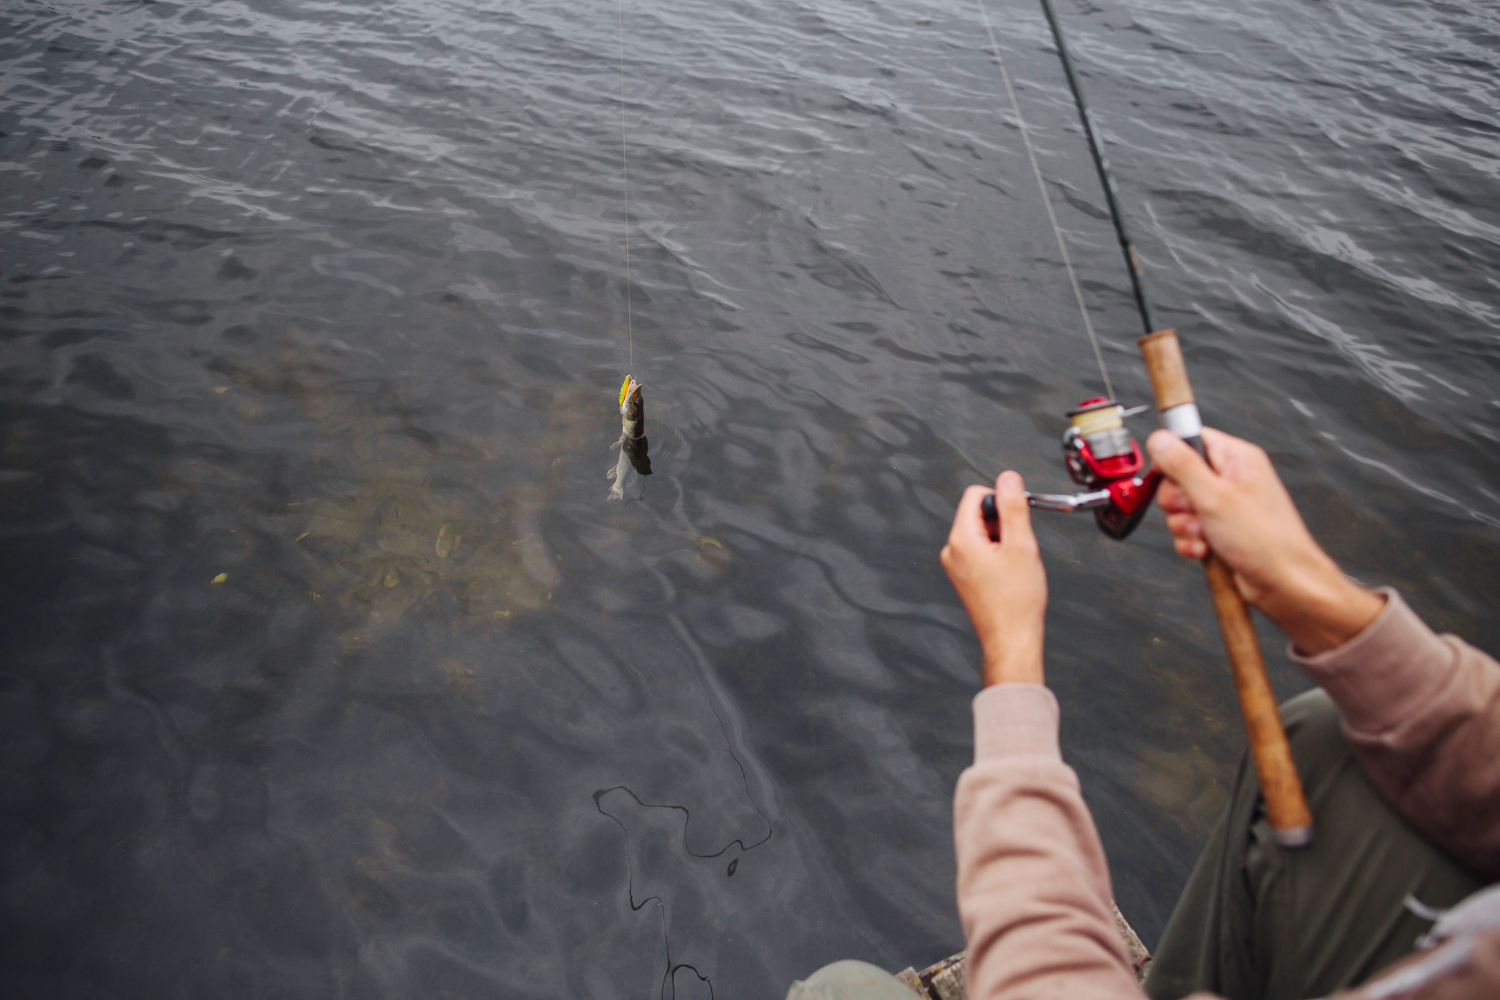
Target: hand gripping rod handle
{"points": [[1286, 805]]}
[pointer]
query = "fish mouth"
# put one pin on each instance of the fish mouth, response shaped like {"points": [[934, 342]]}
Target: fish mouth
{"points": [[630, 392]]}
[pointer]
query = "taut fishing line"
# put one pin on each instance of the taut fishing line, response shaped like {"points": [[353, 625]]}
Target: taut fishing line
{"points": [[1041, 185], [634, 450], [625, 176]]}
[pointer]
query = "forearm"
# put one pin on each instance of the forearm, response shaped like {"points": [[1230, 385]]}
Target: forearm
{"points": [[1422, 715], [1317, 606], [1033, 888]]}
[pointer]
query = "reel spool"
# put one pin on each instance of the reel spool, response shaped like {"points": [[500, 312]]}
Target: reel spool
{"points": [[1102, 455], [1105, 459]]}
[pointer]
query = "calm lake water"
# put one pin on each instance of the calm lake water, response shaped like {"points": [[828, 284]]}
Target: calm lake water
{"points": [[330, 670]]}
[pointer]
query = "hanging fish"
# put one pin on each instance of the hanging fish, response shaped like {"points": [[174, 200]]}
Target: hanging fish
{"points": [[634, 451]]}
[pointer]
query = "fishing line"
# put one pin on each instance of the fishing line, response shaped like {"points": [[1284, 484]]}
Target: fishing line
{"points": [[687, 818], [671, 974], [1036, 172], [625, 174]]}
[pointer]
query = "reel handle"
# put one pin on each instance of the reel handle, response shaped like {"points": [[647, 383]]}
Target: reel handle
{"points": [[1286, 805]]}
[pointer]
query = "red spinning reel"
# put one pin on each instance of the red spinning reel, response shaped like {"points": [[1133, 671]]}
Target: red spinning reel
{"points": [[1106, 461]]}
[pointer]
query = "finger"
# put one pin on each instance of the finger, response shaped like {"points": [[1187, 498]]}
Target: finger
{"points": [[1223, 449], [1180, 462], [1015, 511], [1192, 548], [1236, 459], [1172, 499], [968, 524], [1185, 526]]}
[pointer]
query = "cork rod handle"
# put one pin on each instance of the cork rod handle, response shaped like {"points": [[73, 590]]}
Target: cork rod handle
{"points": [[1286, 805]]}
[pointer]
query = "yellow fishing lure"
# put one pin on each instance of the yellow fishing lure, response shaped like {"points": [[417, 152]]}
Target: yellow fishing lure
{"points": [[624, 388]]}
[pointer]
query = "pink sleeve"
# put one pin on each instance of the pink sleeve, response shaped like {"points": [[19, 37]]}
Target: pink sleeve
{"points": [[1422, 714], [1033, 889]]}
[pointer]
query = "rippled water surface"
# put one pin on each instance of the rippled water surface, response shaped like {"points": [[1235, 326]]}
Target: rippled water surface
{"points": [[329, 668]]}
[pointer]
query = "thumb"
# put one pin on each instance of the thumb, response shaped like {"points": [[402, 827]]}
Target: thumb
{"points": [[1182, 463], [1015, 511]]}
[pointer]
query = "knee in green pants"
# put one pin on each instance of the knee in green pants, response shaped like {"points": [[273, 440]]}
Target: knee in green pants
{"points": [[850, 980], [1257, 922]]}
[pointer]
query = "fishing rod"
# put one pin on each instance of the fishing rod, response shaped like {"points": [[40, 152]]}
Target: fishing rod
{"points": [[1101, 164], [1101, 455]]}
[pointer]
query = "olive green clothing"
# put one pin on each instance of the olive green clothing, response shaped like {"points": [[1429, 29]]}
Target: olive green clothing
{"points": [[850, 980], [1257, 922]]}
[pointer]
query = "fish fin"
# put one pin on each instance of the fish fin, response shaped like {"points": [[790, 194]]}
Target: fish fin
{"points": [[614, 470], [617, 491]]}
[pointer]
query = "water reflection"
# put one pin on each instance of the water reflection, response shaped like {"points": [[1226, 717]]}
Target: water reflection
{"points": [[393, 535]]}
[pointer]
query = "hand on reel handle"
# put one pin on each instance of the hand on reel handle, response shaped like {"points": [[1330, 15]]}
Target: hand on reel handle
{"points": [[1003, 586]]}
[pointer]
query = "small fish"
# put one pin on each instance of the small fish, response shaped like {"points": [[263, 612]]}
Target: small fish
{"points": [[634, 451]]}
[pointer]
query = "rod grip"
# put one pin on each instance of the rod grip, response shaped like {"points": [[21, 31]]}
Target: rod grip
{"points": [[1286, 805], [1281, 788], [1169, 378]]}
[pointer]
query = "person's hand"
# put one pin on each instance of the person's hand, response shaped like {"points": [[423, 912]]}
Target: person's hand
{"points": [[1240, 508], [1002, 584]]}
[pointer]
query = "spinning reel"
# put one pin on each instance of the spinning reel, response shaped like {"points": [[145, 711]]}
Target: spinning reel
{"points": [[1103, 458]]}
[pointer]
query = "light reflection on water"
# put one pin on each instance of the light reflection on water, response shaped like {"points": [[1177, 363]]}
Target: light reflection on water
{"points": [[330, 302]]}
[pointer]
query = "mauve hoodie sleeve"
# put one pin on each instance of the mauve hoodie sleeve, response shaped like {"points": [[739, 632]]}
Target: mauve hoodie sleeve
{"points": [[1033, 889], [1422, 714], [1421, 711]]}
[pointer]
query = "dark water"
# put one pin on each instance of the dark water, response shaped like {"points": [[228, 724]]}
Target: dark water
{"points": [[326, 301]]}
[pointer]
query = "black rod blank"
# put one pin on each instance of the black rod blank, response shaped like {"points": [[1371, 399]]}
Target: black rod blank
{"points": [[1106, 179]]}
